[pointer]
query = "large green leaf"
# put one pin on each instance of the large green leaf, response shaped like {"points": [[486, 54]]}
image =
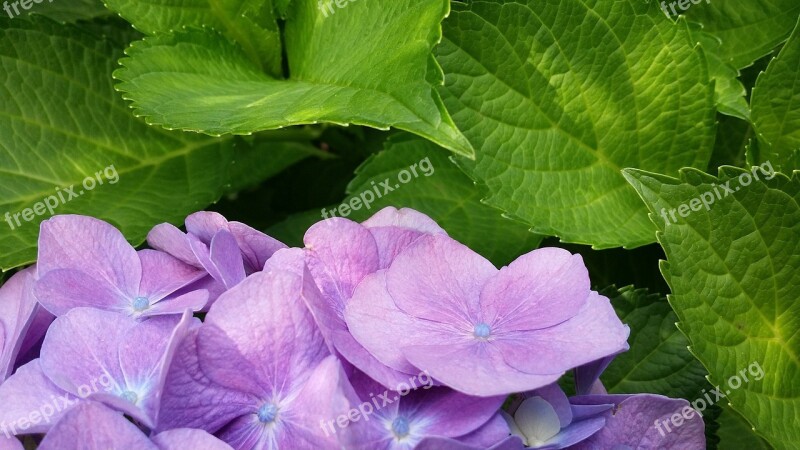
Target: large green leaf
{"points": [[70, 10], [249, 23], [658, 361], [776, 107], [736, 434], [732, 268], [61, 122], [747, 29], [558, 96], [439, 189], [367, 64]]}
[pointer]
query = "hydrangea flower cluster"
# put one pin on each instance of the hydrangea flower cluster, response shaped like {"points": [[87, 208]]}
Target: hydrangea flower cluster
{"points": [[386, 334]]}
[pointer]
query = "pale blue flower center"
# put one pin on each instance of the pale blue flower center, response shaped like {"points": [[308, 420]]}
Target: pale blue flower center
{"points": [[141, 303], [400, 427], [267, 413], [130, 396], [482, 331]]}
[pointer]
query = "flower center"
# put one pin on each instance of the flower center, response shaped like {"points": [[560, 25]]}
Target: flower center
{"points": [[130, 396], [267, 413], [482, 331], [140, 304], [400, 427]]}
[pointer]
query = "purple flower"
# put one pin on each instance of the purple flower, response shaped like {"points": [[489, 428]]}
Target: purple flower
{"points": [[227, 251], [392, 420], [258, 373], [339, 254], [92, 426], [86, 262], [98, 355], [445, 310], [10, 443], [23, 322]]}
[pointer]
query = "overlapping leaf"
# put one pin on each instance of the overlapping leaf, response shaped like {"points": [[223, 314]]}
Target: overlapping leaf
{"points": [[747, 29], [732, 268], [61, 121], [558, 96], [250, 23], [776, 108], [366, 64]]}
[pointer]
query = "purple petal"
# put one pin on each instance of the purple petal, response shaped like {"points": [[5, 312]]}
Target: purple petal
{"points": [[145, 354], [576, 432], [169, 239], [256, 247], [83, 345], [489, 434], [205, 224], [299, 419], [193, 301], [340, 253], [162, 275], [18, 311], [31, 402], [62, 290], [595, 332], [540, 289], [440, 443], [449, 413], [383, 329], [261, 335], [358, 356], [395, 230], [10, 443], [637, 419], [190, 399], [92, 426], [90, 246], [474, 369], [226, 256], [439, 280], [184, 438]]}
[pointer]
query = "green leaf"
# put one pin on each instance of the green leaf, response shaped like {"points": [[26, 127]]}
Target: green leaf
{"points": [[62, 122], [736, 434], [439, 189], [366, 64], [70, 10], [729, 92], [658, 361], [776, 107], [747, 29], [254, 163], [250, 23], [558, 96], [732, 268]]}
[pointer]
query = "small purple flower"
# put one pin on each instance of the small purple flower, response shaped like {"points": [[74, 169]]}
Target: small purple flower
{"points": [[93, 354], [339, 254], [443, 309], [84, 261], [394, 421], [23, 322], [92, 426], [258, 373], [227, 251]]}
